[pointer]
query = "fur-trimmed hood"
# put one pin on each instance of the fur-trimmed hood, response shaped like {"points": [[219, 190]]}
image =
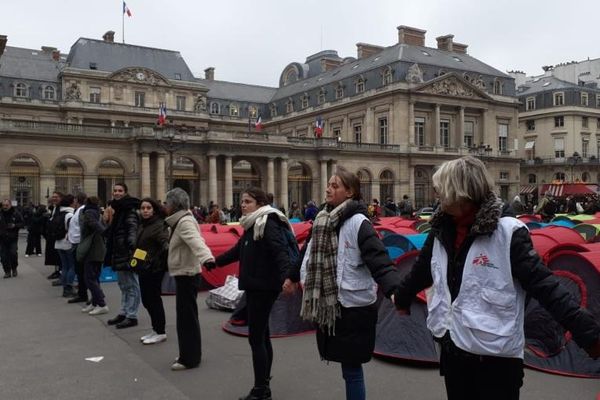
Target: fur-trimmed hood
{"points": [[486, 220]]}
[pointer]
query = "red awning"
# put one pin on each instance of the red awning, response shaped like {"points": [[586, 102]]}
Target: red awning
{"points": [[566, 189], [528, 189]]}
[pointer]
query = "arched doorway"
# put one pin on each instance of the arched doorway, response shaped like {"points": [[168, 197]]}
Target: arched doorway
{"points": [[24, 181], [299, 184], [365, 184], [186, 176], [386, 185], [244, 176], [110, 172], [423, 188], [68, 176]]}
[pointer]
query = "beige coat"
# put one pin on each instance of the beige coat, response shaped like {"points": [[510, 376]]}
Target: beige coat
{"points": [[187, 249]]}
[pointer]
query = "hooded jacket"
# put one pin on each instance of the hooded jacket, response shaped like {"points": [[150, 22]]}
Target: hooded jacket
{"points": [[121, 235]]}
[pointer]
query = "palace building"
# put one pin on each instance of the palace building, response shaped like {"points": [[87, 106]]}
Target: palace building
{"points": [[87, 119]]}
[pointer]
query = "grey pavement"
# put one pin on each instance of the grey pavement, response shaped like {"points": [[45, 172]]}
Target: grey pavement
{"points": [[44, 342]]}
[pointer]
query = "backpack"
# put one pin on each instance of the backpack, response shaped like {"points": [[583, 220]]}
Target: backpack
{"points": [[57, 228], [292, 245]]}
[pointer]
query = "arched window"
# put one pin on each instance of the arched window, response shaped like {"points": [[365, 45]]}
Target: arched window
{"points": [[304, 100], [531, 178], [289, 105], [273, 108], [339, 91], [365, 184], [559, 176], [252, 112], [49, 93], [497, 86], [360, 85], [214, 108], [20, 90], [387, 76], [585, 177], [386, 185], [321, 96], [233, 110]]}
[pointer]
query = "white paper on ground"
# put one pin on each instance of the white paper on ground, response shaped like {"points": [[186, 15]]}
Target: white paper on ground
{"points": [[95, 359]]}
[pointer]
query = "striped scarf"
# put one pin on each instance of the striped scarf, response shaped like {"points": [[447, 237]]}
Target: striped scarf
{"points": [[320, 297]]}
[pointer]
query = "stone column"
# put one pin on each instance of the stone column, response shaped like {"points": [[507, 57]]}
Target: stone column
{"points": [[333, 167], [161, 189], [271, 176], [212, 179], [484, 128], [145, 189], [324, 178], [369, 125], [90, 184], [5, 190], [436, 127], [283, 196], [411, 123], [228, 182], [461, 127]]}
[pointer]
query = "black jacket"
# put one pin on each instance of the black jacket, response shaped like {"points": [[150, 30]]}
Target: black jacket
{"points": [[526, 267], [153, 237], [37, 222], [264, 264], [10, 223], [121, 235]]}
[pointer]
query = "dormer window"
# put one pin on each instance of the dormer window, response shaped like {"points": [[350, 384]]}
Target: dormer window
{"points": [[497, 89], [214, 108], [321, 96], [177, 76], [360, 85], [233, 110], [304, 100], [252, 112], [559, 99], [289, 105], [49, 93], [339, 91], [20, 90], [387, 76], [530, 104], [584, 99], [273, 109]]}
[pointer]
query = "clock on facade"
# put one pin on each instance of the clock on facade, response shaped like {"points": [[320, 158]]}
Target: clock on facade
{"points": [[140, 76]]}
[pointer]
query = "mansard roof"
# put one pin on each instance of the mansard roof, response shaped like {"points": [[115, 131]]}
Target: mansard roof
{"points": [[20, 63], [548, 84], [111, 57], [238, 91]]}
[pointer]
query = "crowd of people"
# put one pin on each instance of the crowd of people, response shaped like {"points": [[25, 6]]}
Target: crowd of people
{"points": [[478, 259]]}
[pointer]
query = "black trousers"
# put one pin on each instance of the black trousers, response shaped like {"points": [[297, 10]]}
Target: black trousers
{"points": [[471, 377], [34, 243], [259, 307], [188, 326], [8, 255], [150, 287], [92, 270], [81, 281]]}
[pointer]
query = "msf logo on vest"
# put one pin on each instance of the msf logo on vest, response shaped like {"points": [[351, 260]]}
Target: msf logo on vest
{"points": [[483, 261]]}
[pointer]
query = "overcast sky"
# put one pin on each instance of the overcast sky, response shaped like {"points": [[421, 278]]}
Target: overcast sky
{"points": [[252, 41]]}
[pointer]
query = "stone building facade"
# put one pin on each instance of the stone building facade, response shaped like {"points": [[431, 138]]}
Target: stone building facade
{"points": [[87, 119]]}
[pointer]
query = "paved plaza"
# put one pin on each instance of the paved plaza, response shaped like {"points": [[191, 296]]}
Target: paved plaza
{"points": [[44, 343]]}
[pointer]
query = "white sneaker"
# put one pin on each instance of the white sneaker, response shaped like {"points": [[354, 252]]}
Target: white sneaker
{"points": [[39, 254], [148, 336], [157, 338], [26, 255], [88, 308], [99, 310]]}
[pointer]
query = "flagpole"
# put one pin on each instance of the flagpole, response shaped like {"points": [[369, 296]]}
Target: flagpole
{"points": [[123, 21]]}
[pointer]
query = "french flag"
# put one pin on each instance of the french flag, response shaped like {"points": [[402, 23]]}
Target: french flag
{"points": [[126, 10], [258, 123], [319, 127], [162, 114]]}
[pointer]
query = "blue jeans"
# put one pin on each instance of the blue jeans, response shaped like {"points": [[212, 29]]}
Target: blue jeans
{"points": [[67, 261], [130, 293], [355, 381]]}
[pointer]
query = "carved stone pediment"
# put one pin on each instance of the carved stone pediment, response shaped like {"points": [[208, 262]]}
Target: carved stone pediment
{"points": [[142, 76], [452, 86]]}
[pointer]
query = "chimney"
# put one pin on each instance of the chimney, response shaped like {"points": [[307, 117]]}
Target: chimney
{"points": [[364, 50], [412, 36], [459, 47], [109, 37], [3, 40], [56, 55], [327, 64], [445, 42], [209, 74]]}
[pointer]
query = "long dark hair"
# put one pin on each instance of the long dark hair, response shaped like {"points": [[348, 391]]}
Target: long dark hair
{"points": [[158, 209]]}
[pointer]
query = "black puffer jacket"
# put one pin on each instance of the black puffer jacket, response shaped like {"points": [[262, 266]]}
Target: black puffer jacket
{"points": [[264, 263], [153, 237], [526, 267], [121, 235], [10, 223]]}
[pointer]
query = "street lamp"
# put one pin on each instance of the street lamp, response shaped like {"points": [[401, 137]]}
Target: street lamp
{"points": [[170, 138], [573, 161]]}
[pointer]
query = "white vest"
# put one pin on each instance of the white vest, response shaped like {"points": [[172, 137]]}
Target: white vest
{"points": [[486, 318], [356, 286]]}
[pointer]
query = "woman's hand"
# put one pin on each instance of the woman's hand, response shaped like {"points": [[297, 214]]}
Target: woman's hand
{"points": [[289, 287]]}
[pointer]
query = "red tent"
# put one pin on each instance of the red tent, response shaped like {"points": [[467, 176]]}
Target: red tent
{"points": [[566, 189]]}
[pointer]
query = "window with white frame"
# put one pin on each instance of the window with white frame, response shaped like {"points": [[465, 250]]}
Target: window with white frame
{"points": [[585, 147], [559, 122], [584, 99], [339, 91], [387, 76], [234, 111], [20, 90], [497, 86], [140, 99], [357, 129], [360, 85], [503, 136], [530, 123], [252, 112], [530, 104], [49, 93], [304, 101], [559, 99], [420, 131], [273, 109], [214, 108], [180, 103], [559, 148], [289, 106], [445, 133], [95, 94], [468, 138], [383, 130], [321, 96]]}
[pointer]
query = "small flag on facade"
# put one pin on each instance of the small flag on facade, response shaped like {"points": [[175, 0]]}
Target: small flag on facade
{"points": [[126, 10], [319, 127], [162, 114], [258, 123]]}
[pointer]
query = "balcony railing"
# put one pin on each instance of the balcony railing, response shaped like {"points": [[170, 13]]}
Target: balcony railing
{"points": [[375, 147], [568, 161], [63, 129]]}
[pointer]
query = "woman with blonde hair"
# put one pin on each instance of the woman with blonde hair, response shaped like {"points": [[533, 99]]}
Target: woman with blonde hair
{"points": [[480, 264]]}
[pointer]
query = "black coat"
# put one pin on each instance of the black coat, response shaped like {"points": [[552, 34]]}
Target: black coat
{"points": [[264, 264], [91, 230], [153, 237], [10, 223], [37, 223], [526, 267], [121, 235]]}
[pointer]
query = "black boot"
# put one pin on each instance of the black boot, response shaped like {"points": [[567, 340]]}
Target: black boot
{"points": [[116, 320], [6, 274], [14, 272], [126, 323], [258, 393]]}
